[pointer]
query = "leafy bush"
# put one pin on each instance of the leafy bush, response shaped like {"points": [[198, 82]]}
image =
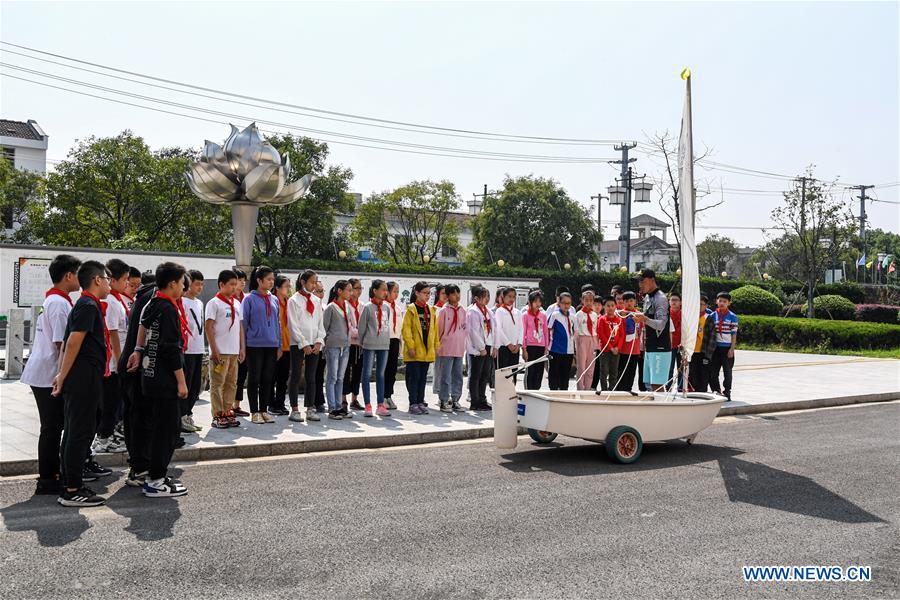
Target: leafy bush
{"points": [[851, 291], [877, 313], [832, 306], [752, 300], [818, 334]]}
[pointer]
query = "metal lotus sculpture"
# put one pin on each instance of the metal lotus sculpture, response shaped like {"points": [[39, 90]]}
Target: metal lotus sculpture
{"points": [[246, 172]]}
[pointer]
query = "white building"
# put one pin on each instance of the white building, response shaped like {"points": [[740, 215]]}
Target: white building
{"points": [[24, 144], [649, 250]]}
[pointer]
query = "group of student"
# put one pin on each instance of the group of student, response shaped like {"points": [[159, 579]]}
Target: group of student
{"points": [[120, 369]]}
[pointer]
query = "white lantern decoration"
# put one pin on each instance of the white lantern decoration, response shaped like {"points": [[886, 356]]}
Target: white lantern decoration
{"points": [[616, 195], [642, 191]]}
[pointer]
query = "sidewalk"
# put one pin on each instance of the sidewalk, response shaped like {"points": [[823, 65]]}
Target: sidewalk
{"points": [[763, 382]]}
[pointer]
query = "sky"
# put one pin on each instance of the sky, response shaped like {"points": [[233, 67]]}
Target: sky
{"points": [[776, 86]]}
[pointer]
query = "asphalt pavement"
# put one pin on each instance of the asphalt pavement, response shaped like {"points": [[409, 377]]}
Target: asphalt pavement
{"points": [[464, 520]]}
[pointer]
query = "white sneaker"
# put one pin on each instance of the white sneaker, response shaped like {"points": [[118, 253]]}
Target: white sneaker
{"points": [[108, 446], [193, 424], [311, 414], [296, 416], [186, 426], [164, 488]]}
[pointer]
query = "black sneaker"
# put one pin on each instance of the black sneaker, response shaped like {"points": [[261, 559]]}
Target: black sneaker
{"points": [[83, 497], [167, 488], [135, 479], [355, 405], [346, 414], [457, 407], [278, 411], [91, 471], [47, 487], [320, 408], [179, 443]]}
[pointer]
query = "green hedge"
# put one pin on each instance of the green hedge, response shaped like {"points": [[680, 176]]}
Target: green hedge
{"points": [[831, 306], [752, 300], [817, 333]]}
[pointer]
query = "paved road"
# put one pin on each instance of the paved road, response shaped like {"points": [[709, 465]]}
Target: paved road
{"points": [[467, 521]]}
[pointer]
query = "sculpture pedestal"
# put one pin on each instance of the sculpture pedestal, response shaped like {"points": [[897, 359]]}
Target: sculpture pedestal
{"points": [[244, 217]]}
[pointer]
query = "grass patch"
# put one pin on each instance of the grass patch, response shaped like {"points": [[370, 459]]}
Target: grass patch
{"points": [[892, 353]]}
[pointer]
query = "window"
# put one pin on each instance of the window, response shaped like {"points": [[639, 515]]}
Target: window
{"points": [[9, 154], [448, 251], [639, 266]]}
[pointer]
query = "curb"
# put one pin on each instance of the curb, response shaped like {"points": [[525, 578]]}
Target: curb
{"points": [[27, 467]]}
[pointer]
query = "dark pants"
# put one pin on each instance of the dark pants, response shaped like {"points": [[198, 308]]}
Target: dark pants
{"points": [[193, 375], [82, 394], [640, 372], [112, 398], [390, 372], [353, 374], [628, 364], [595, 380], [309, 364], [721, 361], [241, 380], [416, 375], [137, 423], [535, 373], [559, 371], [260, 375], [698, 373], [480, 369], [52, 415], [280, 385], [320, 381], [609, 370], [506, 358], [165, 423]]}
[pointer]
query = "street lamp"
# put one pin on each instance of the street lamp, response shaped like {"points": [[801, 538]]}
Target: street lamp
{"points": [[616, 195], [342, 254], [558, 266], [500, 263], [642, 191]]}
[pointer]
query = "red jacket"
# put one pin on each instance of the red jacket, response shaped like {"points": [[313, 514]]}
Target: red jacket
{"points": [[630, 337], [605, 327], [675, 317]]}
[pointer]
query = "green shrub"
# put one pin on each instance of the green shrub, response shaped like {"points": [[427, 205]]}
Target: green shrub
{"points": [[752, 300], [851, 291], [832, 306], [818, 334], [877, 313]]}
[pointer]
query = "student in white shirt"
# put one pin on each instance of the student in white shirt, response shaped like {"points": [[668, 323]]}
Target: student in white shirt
{"points": [[43, 365], [585, 341], [117, 313], [193, 353], [390, 372], [305, 319], [510, 333], [226, 349]]}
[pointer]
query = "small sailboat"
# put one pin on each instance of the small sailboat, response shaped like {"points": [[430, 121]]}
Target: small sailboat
{"points": [[623, 421]]}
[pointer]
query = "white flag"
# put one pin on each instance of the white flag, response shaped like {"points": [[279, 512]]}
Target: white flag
{"points": [[690, 277]]}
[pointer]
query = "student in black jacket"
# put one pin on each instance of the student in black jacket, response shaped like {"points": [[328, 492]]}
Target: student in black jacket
{"points": [[162, 376]]}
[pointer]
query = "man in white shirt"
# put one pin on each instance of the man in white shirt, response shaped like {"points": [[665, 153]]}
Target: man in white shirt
{"points": [[510, 333], [117, 313], [193, 353], [43, 365]]}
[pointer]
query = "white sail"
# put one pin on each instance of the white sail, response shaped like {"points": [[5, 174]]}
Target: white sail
{"points": [[690, 277]]}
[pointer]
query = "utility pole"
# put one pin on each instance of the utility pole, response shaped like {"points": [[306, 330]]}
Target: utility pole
{"points": [[475, 206], [625, 213], [599, 198], [862, 222], [811, 262]]}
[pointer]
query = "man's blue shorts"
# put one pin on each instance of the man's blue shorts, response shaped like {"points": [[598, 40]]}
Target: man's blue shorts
{"points": [[656, 367]]}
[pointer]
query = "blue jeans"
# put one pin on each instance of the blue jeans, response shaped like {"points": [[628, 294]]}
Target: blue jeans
{"points": [[416, 374], [335, 366], [450, 369], [379, 357]]}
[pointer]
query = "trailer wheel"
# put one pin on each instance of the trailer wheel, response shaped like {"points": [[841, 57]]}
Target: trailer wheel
{"points": [[624, 444], [542, 437]]}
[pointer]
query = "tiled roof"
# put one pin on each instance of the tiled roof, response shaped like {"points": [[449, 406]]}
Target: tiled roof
{"points": [[637, 244], [18, 129], [648, 220]]}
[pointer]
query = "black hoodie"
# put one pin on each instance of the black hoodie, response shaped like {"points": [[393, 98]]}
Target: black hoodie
{"points": [[141, 298], [163, 350]]}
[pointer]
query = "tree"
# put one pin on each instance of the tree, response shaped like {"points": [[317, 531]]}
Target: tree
{"points": [[530, 217], [410, 223], [307, 227], [19, 190], [812, 218], [713, 254]]}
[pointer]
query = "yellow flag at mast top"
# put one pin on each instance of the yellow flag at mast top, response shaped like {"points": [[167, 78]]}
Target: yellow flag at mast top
{"points": [[685, 73]]}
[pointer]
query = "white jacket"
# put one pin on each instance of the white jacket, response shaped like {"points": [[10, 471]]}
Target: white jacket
{"points": [[509, 329], [306, 329]]}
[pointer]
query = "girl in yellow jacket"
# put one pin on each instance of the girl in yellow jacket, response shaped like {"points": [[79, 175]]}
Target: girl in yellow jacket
{"points": [[420, 343]]}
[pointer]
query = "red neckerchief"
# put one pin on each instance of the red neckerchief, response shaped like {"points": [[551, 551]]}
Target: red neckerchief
{"points": [[102, 307], [118, 296], [511, 315], [265, 297], [536, 315], [355, 305], [378, 304], [239, 295], [498, 305], [485, 316], [229, 302], [455, 322], [343, 306], [569, 324], [182, 317], [427, 320], [588, 312], [310, 307], [720, 319], [130, 298], [393, 313], [439, 304], [54, 291]]}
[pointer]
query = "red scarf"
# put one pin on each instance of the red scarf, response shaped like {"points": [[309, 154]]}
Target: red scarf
{"points": [[455, 322], [239, 295], [486, 317], [439, 304], [569, 324], [310, 307], [355, 305], [426, 320], [182, 317], [378, 304], [590, 323], [102, 307], [229, 302], [511, 315], [130, 298], [58, 292], [720, 319], [393, 313], [265, 297], [118, 296], [343, 306]]}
